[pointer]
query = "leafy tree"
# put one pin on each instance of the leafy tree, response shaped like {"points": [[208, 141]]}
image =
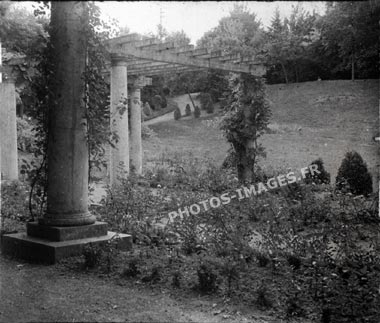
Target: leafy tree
{"points": [[178, 37], [20, 30], [287, 43], [239, 33], [349, 38]]}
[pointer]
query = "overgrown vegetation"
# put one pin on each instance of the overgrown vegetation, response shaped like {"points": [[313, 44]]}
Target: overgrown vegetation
{"points": [[291, 250]]}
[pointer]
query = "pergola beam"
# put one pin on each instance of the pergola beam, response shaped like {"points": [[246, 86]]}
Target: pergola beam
{"points": [[163, 70], [125, 50]]}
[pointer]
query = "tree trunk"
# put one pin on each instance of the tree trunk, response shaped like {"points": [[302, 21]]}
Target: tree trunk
{"points": [[246, 169], [285, 74], [191, 99]]}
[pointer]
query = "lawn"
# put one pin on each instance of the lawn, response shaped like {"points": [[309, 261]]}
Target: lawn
{"points": [[310, 120]]}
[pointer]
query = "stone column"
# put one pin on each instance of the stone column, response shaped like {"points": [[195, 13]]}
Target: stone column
{"points": [[136, 146], [119, 156], [67, 193], [8, 131]]}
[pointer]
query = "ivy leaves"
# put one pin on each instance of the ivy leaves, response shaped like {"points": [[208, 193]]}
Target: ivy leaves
{"points": [[245, 121]]}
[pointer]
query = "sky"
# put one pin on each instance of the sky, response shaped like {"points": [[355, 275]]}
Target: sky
{"points": [[193, 17]]}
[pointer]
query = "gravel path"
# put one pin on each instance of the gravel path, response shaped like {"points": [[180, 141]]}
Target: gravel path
{"points": [[36, 293]]}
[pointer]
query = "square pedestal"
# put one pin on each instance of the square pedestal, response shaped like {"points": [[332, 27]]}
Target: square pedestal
{"points": [[50, 233], [50, 244]]}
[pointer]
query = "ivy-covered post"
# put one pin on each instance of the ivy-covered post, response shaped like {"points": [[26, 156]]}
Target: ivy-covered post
{"points": [[246, 120], [136, 145], [119, 158]]}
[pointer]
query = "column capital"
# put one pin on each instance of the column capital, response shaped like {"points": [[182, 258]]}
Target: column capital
{"points": [[139, 82], [118, 61]]}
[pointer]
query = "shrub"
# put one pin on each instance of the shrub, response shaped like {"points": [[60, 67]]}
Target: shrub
{"points": [[353, 175], [177, 114], [197, 112], [166, 91], [14, 206], [188, 110], [262, 259], [25, 135], [147, 132], [154, 277], [132, 270], [156, 102], [262, 299], [323, 177], [294, 261], [92, 256], [204, 98], [206, 278], [164, 102], [176, 279], [146, 109], [210, 107]]}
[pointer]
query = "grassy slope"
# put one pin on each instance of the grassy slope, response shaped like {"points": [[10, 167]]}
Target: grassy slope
{"points": [[310, 120]]}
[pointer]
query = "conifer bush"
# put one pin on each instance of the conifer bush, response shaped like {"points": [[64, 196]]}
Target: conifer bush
{"points": [[197, 112], [323, 177], [177, 114], [210, 107], [156, 102], [187, 110], [353, 175], [146, 109], [204, 98]]}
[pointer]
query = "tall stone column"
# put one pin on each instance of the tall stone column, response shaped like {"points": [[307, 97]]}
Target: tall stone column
{"points": [[8, 131], [119, 156], [136, 145], [67, 227], [67, 193]]}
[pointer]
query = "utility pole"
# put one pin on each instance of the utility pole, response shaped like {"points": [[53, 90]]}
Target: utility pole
{"points": [[161, 29]]}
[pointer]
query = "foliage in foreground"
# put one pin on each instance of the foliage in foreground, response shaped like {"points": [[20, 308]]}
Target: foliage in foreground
{"points": [[302, 250]]}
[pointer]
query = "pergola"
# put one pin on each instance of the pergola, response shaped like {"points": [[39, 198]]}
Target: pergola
{"points": [[67, 225], [135, 58]]}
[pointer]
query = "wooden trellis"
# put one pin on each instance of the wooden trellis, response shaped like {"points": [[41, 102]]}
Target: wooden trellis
{"points": [[149, 56]]}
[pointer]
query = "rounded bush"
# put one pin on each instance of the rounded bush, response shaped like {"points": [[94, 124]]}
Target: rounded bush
{"points": [[177, 114], [146, 109], [210, 107], [204, 99], [353, 175], [187, 110], [164, 103], [323, 177], [197, 112], [156, 102]]}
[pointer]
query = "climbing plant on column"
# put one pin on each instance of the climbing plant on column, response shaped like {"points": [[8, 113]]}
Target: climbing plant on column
{"points": [[245, 121], [38, 94]]}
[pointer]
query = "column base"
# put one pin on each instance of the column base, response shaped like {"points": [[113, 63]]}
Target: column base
{"points": [[44, 244], [67, 220]]}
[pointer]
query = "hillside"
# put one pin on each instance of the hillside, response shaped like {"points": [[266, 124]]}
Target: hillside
{"points": [[310, 120]]}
